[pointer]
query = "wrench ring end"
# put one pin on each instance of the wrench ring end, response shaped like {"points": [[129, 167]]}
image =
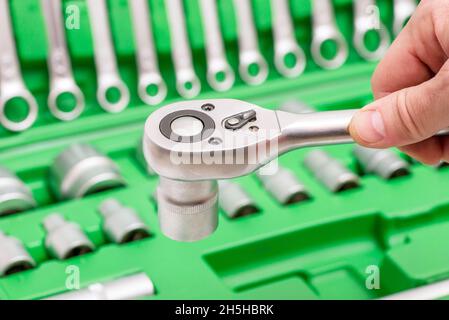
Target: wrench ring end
{"points": [[55, 109], [28, 121], [341, 54], [280, 61], [120, 104], [146, 83]]}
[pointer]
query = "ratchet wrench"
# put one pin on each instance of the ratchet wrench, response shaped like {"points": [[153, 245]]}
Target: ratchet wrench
{"points": [[253, 68], [403, 10], [325, 31], [60, 70], [367, 20], [108, 77], [187, 82], [12, 86], [219, 74], [147, 65], [285, 44]]}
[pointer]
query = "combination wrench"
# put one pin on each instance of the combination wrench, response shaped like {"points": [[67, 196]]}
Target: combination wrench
{"points": [[187, 82], [192, 144], [285, 44], [62, 81], [325, 30], [366, 21], [403, 10], [12, 86], [108, 77], [220, 76], [253, 68], [147, 65]]}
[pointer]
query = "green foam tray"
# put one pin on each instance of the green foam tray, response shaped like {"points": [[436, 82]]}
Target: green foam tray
{"points": [[317, 249]]}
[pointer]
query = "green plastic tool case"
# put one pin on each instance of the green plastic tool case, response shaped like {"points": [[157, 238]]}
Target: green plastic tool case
{"points": [[323, 248]]}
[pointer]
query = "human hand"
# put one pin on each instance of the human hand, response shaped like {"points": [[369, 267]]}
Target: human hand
{"points": [[411, 88]]}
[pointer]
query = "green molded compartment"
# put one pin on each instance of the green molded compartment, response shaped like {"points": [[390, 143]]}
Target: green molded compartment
{"points": [[317, 249]]}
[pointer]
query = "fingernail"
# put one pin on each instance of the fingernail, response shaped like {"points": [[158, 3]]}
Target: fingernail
{"points": [[369, 126]]}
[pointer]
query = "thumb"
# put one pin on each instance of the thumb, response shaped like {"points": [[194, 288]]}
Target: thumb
{"points": [[404, 117]]}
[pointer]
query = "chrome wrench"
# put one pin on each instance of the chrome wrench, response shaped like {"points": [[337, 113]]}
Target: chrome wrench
{"points": [[325, 30], [60, 70], [108, 77], [285, 44], [217, 64], [366, 20], [12, 86], [187, 82], [403, 10], [253, 68], [147, 65]]}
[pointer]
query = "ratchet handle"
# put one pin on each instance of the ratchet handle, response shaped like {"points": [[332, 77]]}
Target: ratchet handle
{"points": [[317, 129]]}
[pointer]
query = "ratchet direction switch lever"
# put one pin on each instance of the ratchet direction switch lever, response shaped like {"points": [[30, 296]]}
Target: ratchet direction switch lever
{"points": [[193, 144]]}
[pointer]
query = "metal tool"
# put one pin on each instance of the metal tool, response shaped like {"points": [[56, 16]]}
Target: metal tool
{"points": [[81, 170], [129, 287], [296, 106], [367, 20], [187, 82], [220, 76], [383, 162], [325, 31], [192, 144], [122, 224], [403, 10], [141, 158], [65, 239], [433, 291], [234, 200], [285, 45], [112, 93], [12, 86], [253, 68], [14, 257], [15, 196], [62, 82], [284, 186], [333, 174], [152, 88]]}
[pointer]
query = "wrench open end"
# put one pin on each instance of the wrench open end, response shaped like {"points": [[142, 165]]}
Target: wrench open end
{"points": [[9, 101], [340, 55], [152, 89], [253, 69], [383, 43], [221, 77], [290, 60], [67, 102], [113, 96]]}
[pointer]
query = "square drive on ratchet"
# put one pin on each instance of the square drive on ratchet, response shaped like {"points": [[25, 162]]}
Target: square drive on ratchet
{"points": [[192, 144]]}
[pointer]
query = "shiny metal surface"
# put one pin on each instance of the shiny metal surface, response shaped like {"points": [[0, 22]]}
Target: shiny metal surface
{"points": [[187, 83], [325, 30], [403, 10], [12, 86], [108, 76], [15, 196], [146, 55], [285, 44], [65, 239], [234, 200], [59, 65], [217, 63], [253, 68], [13, 256], [129, 287], [366, 20]]}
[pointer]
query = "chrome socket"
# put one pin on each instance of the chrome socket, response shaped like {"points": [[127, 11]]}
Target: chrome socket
{"points": [[15, 196], [297, 106], [14, 257], [65, 239], [188, 211], [234, 201], [383, 162], [284, 186], [330, 172], [81, 170], [122, 224], [141, 159]]}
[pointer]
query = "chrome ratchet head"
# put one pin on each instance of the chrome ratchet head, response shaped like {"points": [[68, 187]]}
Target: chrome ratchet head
{"points": [[210, 139]]}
